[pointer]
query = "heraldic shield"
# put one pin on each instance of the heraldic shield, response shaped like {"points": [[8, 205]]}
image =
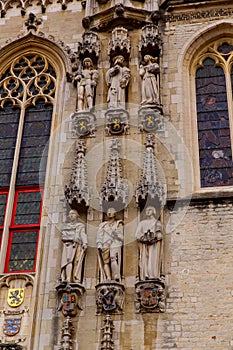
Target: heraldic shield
{"points": [[12, 325], [15, 297]]}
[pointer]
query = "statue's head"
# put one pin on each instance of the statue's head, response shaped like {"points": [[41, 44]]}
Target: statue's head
{"points": [[87, 62], [73, 215], [118, 59], [150, 211], [111, 212]]}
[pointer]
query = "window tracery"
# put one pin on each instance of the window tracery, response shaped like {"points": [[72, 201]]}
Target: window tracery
{"points": [[214, 81], [27, 92]]}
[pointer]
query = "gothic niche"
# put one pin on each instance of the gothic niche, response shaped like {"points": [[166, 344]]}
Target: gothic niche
{"points": [[117, 79], [150, 113], [110, 237], [85, 79], [70, 289], [150, 196]]}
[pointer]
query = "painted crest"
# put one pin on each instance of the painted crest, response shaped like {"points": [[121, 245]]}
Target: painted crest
{"points": [[116, 125], [149, 298], [84, 123], [82, 126], [12, 325], [109, 303], [15, 297], [150, 122], [69, 301]]}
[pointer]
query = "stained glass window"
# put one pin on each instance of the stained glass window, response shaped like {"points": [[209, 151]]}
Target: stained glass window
{"points": [[215, 153], [27, 91]]}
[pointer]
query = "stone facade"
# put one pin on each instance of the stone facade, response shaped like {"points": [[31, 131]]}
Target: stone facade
{"points": [[196, 266]]}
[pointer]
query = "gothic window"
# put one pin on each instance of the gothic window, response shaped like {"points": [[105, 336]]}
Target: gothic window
{"points": [[214, 81], [27, 91]]}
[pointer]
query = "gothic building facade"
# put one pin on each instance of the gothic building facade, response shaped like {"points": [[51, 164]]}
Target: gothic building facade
{"points": [[116, 174]]}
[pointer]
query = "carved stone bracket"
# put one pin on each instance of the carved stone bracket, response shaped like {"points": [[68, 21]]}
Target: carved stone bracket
{"points": [[107, 342], [83, 124], [151, 42], [150, 296], [115, 188], [77, 191], [150, 186], [110, 297], [120, 43], [116, 122], [89, 47], [66, 342], [118, 15], [150, 119], [70, 297]]}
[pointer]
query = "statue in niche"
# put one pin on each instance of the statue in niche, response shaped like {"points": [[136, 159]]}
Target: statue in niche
{"points": [[117, 78], [74, 240], [149, 236], [149, 74], [109, 243], [87, 79]]}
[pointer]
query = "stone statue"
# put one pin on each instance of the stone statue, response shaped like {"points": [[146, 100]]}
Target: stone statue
{"points": [[109, 243], [149, 73], [74, 240], [87, 79], [149, 236], [117, 78]]}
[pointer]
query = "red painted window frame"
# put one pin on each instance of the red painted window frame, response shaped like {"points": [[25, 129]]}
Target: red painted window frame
{"points": [[2, 226], [23, 228]]}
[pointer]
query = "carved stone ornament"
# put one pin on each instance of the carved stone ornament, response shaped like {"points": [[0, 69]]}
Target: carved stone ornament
{"points": [[150, 119], [10, 346], [107, 342], [83, 124], [110, 297], [70, 297], [150, 296], [151, 42], [150, 185], [116, 122], [120, 43], [89, 47], [66, 342], [32, 22], [77, 190], [114, 188]]}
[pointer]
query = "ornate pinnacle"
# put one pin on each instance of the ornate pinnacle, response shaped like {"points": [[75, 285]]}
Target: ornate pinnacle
{"points": [[78, 188], [107, 342]]}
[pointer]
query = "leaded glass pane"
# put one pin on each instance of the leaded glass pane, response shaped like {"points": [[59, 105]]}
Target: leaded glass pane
{"points": [[3, 198], [28, 208], [213, 126], [23, 250], [34, 146], [9, 119]]}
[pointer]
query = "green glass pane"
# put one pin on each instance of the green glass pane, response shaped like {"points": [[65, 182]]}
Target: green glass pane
{"points": [[28, 208], [3, 198], [23, 251]]}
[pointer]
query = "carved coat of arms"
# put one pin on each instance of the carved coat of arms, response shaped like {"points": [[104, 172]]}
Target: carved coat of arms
{"points": [[12, 325], [15, 297]]}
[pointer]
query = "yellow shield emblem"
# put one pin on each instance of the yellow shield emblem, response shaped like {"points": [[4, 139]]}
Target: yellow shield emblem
{"points": [[15, 296]]}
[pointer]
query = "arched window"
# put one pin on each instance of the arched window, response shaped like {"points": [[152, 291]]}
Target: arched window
{"points": [[214, 81], [27, 90]]}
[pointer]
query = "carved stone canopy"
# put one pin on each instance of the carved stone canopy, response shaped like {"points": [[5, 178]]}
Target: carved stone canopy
{"points": [[89, 47], [77, 190], [10, 346], [150, 186], [114, 188], [66, 335], [120, 43], [107, 342], [151, 42]]}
